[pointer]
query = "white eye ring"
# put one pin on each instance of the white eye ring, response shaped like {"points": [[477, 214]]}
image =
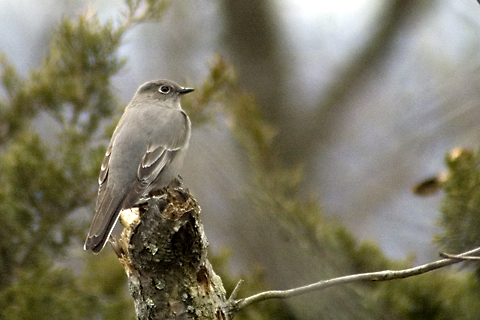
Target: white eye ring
{"points": [[164, 89]]}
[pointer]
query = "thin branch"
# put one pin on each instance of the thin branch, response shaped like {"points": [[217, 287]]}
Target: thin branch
{"points": [[370, 276], [235, 290], [459, 257]]}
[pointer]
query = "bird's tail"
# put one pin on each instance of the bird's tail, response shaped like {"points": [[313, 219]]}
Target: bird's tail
{"points": [[101, 228]]}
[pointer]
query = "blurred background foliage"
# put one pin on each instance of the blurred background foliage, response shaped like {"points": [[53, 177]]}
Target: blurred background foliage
{"points": [[311, 124]]}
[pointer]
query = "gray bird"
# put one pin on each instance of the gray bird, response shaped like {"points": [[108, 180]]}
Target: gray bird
{"points": [[145, 154]]}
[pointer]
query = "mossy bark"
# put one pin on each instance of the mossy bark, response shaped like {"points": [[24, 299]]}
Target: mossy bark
{"points": [[164, 252]]}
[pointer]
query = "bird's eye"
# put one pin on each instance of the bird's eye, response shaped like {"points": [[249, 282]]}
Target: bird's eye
{"points": [[164, 89]]}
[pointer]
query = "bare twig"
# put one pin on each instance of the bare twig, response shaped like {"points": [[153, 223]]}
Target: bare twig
{"points": [[235, 290], [459, 257], [370, 276]]}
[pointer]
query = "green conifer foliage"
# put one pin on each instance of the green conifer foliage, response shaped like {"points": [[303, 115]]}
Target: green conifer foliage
{"points": [[460, 219]]}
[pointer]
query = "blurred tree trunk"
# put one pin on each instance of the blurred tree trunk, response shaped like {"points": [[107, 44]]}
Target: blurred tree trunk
{"points": [[254, 46], [322, 126]]}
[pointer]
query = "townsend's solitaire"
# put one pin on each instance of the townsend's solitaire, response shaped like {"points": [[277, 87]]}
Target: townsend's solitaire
{"points": [[145, 154]]}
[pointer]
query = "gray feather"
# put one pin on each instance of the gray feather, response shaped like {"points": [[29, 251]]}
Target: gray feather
{"points": [[145, 153]]}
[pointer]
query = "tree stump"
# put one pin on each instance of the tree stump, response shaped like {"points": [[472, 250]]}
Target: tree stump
{"points": [[164, 251]]}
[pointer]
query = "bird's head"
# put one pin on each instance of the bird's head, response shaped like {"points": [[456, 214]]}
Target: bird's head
{"points": [[161, 90]]}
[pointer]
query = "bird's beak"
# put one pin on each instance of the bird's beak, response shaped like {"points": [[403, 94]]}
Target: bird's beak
{"points": [[185, 90]]}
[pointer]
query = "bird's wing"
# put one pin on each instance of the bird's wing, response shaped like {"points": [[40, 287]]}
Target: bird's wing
{"points": [[102, 177], [154, 161], [160, 152], [107, 208]]}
